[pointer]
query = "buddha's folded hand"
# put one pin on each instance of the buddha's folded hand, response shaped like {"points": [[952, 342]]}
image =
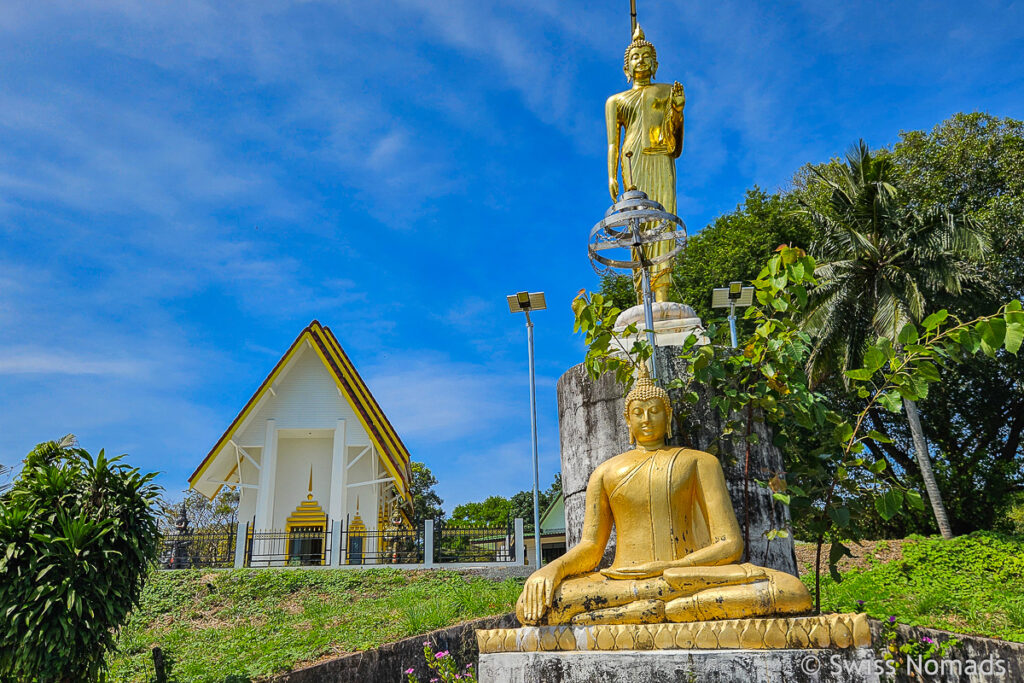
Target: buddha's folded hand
{"points": [[538, 592]]}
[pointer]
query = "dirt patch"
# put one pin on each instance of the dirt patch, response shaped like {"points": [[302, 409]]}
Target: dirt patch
{"points": [[292, 604], [864, 555]]}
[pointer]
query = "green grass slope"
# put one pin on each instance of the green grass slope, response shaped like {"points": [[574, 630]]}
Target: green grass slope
{"points": [[234, 626], [971, 584]]}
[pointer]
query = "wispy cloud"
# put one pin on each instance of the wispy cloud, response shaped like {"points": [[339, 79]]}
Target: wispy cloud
{"points": [[34, 362]]}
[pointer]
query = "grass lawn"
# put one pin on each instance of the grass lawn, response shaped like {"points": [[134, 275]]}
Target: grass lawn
{"points": [[233, 626], [239, 625], [972, 584]]}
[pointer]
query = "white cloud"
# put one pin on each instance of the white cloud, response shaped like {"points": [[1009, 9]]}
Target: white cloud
{"points": [[435, 400], [41, 362]]}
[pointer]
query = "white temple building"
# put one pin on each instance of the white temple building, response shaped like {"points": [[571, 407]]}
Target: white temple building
{"points": [[310, 448]]}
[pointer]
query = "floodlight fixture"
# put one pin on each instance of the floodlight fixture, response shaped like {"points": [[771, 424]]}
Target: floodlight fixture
{"points": [[526, 302], [732, 297]]}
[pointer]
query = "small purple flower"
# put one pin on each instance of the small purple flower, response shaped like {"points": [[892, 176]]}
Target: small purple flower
{"points": [[892, 619], [860, 602]]}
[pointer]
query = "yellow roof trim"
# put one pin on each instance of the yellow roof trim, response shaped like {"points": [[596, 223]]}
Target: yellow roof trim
{"points": [[358, 407]]}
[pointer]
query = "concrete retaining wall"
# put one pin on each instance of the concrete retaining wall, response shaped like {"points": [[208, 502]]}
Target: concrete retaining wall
{"points": [[1005, 656], [385, 664]]}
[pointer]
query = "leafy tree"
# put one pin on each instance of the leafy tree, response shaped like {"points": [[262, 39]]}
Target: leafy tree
{"points": [[880, 262], [497, 510], [426, 503], [5, 473], [736, 246], [218, 514], [493, 512], [974, 164], [80, 534], [733, 247]]}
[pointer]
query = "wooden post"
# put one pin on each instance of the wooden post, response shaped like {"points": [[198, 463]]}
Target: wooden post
{"points": [[158, 665]]}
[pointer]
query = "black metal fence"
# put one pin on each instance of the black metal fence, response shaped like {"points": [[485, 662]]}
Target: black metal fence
{"points": [[465, 543], [301, 547], [312, 546], [383, 546], [211, 548]]}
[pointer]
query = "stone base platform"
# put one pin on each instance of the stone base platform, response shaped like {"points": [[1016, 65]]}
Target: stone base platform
{"points": [[828, 631], [673, 323], [854, 665]]}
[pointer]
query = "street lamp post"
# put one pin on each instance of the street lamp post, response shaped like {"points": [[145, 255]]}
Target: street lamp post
{"points": [[526, 302], [732, 297]]}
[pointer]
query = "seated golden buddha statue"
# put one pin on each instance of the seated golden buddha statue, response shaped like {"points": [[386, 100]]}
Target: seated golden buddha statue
{"points": [[678, 543]]}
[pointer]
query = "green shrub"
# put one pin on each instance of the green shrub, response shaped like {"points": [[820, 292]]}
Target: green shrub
{"points": [[969, 584], [77, 536]]}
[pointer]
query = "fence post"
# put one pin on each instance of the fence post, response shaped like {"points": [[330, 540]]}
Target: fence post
{"points": [[520, 543], [335, 543], [240, 536], [428, 543]]}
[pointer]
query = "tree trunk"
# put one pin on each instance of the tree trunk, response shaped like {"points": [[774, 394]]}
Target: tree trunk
{"points": [[930, 485]]}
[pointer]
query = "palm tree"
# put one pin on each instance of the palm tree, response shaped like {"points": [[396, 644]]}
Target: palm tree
{"points": [[880, 261]]}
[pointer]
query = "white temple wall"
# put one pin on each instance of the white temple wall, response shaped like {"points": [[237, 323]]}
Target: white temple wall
{"points": [[295, 456], [247, 506], [367, 498], [306, 397]]}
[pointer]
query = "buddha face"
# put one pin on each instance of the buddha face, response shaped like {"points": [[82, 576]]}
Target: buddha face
{"points": [[641, 63], [648, 421]]}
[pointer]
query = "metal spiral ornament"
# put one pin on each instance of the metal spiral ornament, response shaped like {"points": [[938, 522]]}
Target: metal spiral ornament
{"points": [[632, 223]]}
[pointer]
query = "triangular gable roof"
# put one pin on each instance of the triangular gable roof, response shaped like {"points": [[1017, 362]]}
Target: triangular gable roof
{"points": [[353, 389], [558, 501]]}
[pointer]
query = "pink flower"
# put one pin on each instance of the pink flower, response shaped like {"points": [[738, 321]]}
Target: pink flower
{"points": [[426, 643], [441, 654], [409, 670]]}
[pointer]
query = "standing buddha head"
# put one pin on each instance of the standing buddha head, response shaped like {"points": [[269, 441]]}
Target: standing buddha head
{"points": [[639, 55]]}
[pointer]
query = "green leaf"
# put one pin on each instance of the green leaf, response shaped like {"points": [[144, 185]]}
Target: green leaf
{"points": [[889, 503], [908, 335], [875, 357], [892, 401], [914, 500], [879, 437], [927, 371], [1014, 337], [861, 374], [841, 516], [935, 319], [782, 498], [992, 332]]}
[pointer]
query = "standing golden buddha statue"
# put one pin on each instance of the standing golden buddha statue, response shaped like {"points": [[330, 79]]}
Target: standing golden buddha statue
{"points": [[678, 549], [652, 116]]}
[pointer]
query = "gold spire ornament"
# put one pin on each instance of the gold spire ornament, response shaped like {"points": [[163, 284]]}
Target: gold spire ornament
{"points": [[645, 125]]}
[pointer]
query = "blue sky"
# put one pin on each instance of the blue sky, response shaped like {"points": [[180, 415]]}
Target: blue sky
{"points": [[185, 185]]}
